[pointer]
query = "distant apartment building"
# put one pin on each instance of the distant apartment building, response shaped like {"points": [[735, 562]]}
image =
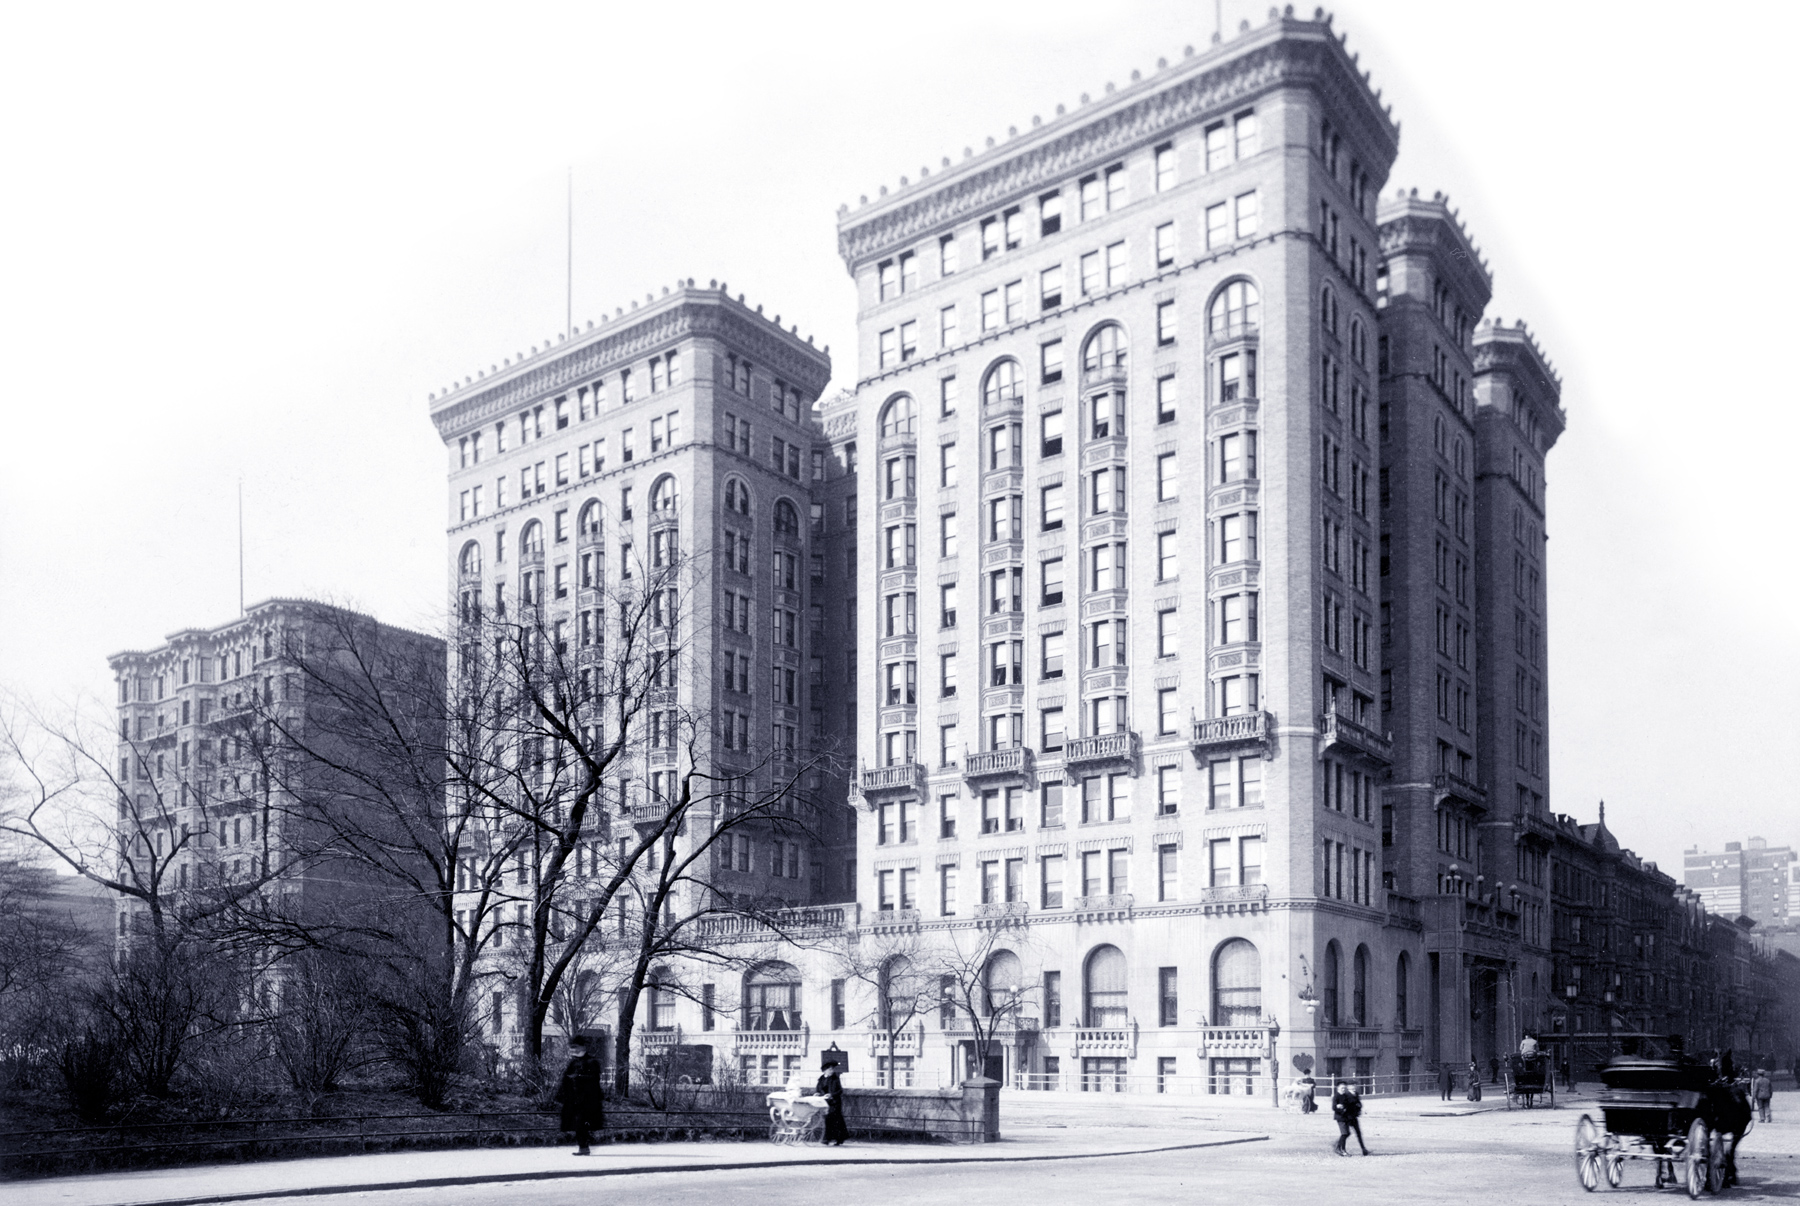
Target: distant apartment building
{"points": [[1751, 879], [207, 802]]}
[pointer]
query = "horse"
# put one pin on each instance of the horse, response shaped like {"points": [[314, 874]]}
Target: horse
{"points": [[1726, 1109]]}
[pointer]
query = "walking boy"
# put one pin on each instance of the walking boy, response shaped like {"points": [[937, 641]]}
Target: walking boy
{"points": [[1346, 1111]]}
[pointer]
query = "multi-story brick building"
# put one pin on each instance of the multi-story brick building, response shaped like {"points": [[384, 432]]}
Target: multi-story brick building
{"points": [[1130, 360], [207, 801], [1468, 413], [685, 428]]}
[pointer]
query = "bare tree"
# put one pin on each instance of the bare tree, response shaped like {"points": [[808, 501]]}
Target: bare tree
{"points": [[968, 976]]}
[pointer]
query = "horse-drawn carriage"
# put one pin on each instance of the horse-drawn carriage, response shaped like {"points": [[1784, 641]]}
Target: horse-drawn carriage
{"points": [[1676, 1112], [1527, 1078]]}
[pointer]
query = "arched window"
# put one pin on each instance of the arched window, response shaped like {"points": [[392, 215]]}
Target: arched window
{"points": [[531, 540], [1003, 384], [664, 496], [1359, 344], [1237, 984], [1401, 975], [1328, 991], [587, 524], [787, 519], [470, 561], [1328, 310], [1106, 995], [900, 416], [772, 998], [1359, 986], [1104, 350], [1234, 310], [900, 995], [1000, 982], [737, 496]]}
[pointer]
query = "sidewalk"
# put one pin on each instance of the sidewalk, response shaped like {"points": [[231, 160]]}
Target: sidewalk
{"points": [[1023, 1140]]}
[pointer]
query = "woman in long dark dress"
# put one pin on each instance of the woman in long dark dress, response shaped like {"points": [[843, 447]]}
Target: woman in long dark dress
{"points": [[831, 1088], [579, 1095]]}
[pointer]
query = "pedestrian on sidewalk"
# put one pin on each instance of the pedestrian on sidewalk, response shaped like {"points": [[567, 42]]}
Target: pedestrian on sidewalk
{"points": [[1346, 1111], [1474, 1081], [831, 1088], [1309, 1094], [1446, 1080], [1762, 1088], [583, 1104]]}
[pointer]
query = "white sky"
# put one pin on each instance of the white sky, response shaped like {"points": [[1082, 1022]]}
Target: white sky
{"points": [[247, 240]]}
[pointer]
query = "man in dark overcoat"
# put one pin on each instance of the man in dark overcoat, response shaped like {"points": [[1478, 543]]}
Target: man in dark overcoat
{"points": [[831, 1088], [583, 1104]]}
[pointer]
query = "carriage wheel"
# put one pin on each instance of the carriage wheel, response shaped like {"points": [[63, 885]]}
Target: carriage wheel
{"points": [[1615, 1171], [1587, 1148], [1699, 1143]]}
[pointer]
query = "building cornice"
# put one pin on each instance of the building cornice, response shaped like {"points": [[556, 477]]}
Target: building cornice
{"points": [[1284, 54], [1513, 350], [686, 313], [1409, 226]]}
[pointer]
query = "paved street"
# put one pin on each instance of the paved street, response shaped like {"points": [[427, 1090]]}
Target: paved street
{"points": [[1425, 1152]]}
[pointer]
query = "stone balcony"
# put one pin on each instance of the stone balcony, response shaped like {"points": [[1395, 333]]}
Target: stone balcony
{"points": [[775, 923], [784, 1042], [1452, 786], [1339, 732], [1107, 1040], [906, 777], [1234, 1040], [1236, 894], [1014, 763], [907, 1040], [1119, 749], [1223, 734], [1112, 906]]}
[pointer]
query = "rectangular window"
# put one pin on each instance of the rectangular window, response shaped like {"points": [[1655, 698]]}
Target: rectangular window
{"points": [[909, 340], [1090, 273], [947, 891], [948, 260], [1218, 226], [947, 396], [1168, 790], [947, 335], [1165, 167], [1219, 863], [1014, 301], [1165, 323], [1115, 187], [990, 310], [1052, 508], [1244, 134], [1167, 708], [1052, 729], [1115, 263], [1218, 146], [1050, 210], [1052, 571], [1165, 244], [1245, 214], [1165, 477], [1050, 430], [1091, 198], [1050, 805], [1053, 870], [1050, 361], [1168, 1012], [1050, 287]]}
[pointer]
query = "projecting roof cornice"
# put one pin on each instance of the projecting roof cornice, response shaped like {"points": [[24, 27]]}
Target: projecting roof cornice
{"points": [[1513, 350], [1283, 54], [1413, 227], [688, 313]]}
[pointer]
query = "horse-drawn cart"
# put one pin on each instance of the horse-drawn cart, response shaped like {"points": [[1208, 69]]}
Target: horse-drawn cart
{"points": [[1529, 1077], [1671, 1111]]}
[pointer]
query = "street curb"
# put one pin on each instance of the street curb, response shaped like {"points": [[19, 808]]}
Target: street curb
{"points": [[499, 1178]]}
